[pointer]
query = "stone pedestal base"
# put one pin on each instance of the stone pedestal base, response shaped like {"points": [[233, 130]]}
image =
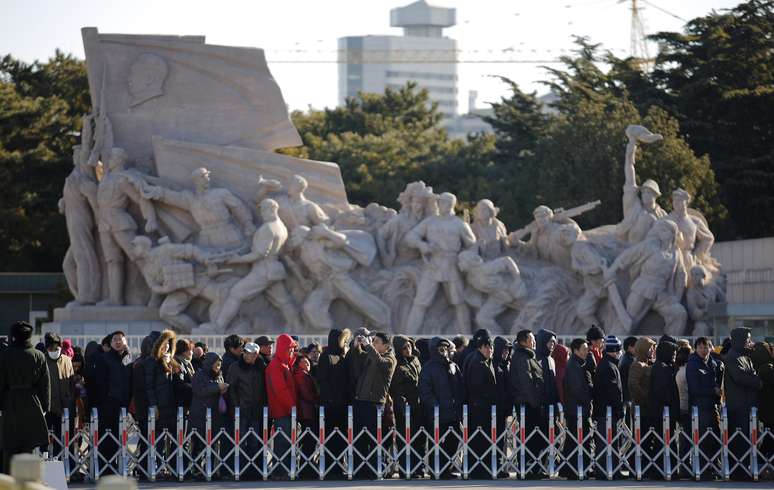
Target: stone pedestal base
{"points": [[97, 321]]}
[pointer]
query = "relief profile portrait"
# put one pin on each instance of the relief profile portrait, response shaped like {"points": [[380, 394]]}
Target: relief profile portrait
{"points": [[146, 78]]}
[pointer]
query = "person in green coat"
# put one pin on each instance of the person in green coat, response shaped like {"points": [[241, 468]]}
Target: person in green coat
{"points": [[24, 394]]}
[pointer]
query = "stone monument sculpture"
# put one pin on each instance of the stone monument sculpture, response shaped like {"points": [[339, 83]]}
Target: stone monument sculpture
{"points": [[180, 214], [79, 206], [266, 272], [439, 239], [330, 256]]}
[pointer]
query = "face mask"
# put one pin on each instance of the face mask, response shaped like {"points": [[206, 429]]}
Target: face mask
{"points": [[55, 354]]}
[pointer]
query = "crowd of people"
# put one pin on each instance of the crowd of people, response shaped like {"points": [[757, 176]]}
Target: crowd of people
{"points": [[379, 376]]}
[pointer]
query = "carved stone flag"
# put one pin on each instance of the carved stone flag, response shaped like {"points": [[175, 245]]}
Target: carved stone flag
{"points": [[178, 87]]}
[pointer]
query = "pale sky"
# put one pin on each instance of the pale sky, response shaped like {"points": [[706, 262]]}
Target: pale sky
{"points": [[534, 30]]}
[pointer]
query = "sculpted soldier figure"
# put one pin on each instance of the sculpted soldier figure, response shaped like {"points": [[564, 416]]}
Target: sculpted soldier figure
{"points": [[266, 273], [491, 235], [214, 211], [390, 237], [699, 297], [695, 237], [659, 277], [439, 239], [330, 256], [168, 270], [639, 211], [544, 241], [79, 204], [499, 279], [117, 228], [305, 211], [591, 265]]}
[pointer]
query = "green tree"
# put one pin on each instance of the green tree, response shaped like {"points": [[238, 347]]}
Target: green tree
{"points": [[40, 109], [576, 155], [717, 78]]}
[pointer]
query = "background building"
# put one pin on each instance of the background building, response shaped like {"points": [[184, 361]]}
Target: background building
{"points": [[422, 55]]}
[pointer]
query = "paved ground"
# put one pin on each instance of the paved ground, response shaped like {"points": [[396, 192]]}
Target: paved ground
{"points": [[453, 484]]}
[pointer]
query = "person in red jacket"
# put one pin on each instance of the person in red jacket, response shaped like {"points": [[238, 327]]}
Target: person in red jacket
{"points": [[561, 355], [281, 392], [308, 410]]}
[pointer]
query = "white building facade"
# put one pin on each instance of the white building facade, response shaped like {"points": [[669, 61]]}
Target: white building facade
{"points": [[422, 55]]}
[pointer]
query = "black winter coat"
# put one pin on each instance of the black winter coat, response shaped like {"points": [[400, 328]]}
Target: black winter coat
{"points": [[333, 373], [663, 387], [114, 379], [623, 366], [139, 393], [404, 388], [247, 389], [480, 383], [741, 382], [160, 387], [441, 383], [578, 387], [608, 390], [526, 378], [701, 378], [24, 397]]}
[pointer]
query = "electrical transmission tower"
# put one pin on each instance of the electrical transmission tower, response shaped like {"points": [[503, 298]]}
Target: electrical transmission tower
{"points": [[638, 47]]}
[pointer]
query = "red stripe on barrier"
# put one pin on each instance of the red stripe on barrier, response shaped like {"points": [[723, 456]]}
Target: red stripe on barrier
{"points": [[437, 435], [610, 435], [124, 438], [153, 437], [522, 434], [378, 435], [67, 438], [754, 437], [696, 436], [494, 434], [349, 435], [322, 435], [408, 434], [465, 434], [551, 435], [209, 437], [666, 436], [637, 435], [236, 436], [180, 437]]}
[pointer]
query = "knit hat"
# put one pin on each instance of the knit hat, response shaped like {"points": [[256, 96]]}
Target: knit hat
{"points": [[594, 333], [613, 344]]}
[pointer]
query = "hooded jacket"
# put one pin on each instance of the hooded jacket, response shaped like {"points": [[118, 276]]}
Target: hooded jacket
{"points": [[332, 372], [404, 388], [206, 394], [526, 378], [608, 391], [740, 381], [700, 376], [663, 386], [639, 374], [160, 379], [764, 365], [542, 354], [624, 364], [560, 356], [441, 383], [280, 385]]}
